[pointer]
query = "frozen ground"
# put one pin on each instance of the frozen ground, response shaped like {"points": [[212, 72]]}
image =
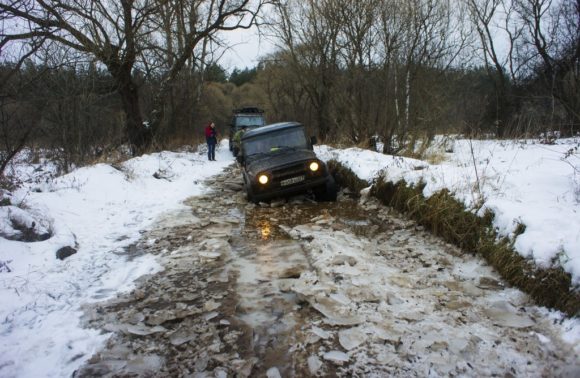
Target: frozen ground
{"points": [[521, 182], [103, 211], [301, 289]]}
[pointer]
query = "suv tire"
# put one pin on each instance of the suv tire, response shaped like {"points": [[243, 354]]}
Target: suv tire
{"points": [[327, 192], [250, 194]]}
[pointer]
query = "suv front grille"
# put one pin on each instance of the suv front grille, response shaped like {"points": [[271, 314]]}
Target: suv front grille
{"points": [[288, 172]]}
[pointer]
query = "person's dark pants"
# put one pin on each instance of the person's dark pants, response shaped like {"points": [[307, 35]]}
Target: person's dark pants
{"points": [[211, 150]]}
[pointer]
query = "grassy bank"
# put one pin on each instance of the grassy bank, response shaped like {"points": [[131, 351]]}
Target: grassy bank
{"points": [[448, 218]]}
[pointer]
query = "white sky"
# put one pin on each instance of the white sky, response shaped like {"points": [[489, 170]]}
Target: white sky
{"points": [[247, 48]]}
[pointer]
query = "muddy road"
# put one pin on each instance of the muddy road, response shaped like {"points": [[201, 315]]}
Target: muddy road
{"points": [[299, 289]]}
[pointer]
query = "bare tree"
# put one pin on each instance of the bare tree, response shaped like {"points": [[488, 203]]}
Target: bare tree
{"points": [[309, 31], [14, 131], [484, 14], [122, 35], [552, 36], [418, 39], [356, 105]]}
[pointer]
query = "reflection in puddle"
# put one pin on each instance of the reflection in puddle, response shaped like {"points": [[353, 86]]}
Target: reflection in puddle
{"points": [[266, 261], [262, 270], [259, 278], [265, 229]]}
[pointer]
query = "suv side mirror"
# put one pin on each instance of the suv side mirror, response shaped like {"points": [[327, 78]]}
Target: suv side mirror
{"points": [[313, 140]]}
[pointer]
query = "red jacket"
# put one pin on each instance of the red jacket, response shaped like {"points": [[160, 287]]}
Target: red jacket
{"points": [[210, 132]]}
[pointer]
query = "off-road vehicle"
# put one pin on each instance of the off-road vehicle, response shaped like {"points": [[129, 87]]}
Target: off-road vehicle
{"points": [[278, 161], [250, 117]]}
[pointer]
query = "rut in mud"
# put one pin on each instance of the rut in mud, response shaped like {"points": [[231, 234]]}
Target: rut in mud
{"points": [[305, 289]]}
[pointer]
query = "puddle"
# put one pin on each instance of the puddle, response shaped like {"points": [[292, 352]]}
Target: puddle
{"points": [[265, 221], [261, 273], [266, 262], [263, 262]]}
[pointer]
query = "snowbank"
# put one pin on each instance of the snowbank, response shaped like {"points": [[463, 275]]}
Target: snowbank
{"points": [[521, 182], [98, 210]]}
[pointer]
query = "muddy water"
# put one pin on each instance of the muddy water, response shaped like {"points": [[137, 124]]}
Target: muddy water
{"points": [[304, 289], [260, 268]]}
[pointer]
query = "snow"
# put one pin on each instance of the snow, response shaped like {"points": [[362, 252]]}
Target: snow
{"points": [[102, 210], [98, 210], [520, 181]]}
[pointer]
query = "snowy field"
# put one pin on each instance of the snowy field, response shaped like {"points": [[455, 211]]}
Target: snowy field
{"points": [[101, 210]]}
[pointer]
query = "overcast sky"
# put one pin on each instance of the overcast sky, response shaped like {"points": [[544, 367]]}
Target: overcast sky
{"points": [[247, 48]]}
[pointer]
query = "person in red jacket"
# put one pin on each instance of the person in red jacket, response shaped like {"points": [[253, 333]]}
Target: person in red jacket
{"points": [[211, 139]]}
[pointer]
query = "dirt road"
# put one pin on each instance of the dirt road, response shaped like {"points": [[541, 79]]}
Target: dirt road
{"points": [[298, 289]]}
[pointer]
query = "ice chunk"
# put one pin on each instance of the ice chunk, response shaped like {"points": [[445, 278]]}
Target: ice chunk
{"points": [[504, 314], [351, 338], [144, 365], [321, 333], [340, 298], [211, 305], [182, 336], [273, 372], [210, 255], [210, 315], [314, 364], [336, 356], [142, 330], [335, 313]]}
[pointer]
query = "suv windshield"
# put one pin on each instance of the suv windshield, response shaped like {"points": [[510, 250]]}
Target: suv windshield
{"points": [[293, 138], [249, 120]]}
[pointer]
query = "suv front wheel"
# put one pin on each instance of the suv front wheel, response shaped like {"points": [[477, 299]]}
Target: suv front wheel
{"points": [[327, 192], [249, 193]]}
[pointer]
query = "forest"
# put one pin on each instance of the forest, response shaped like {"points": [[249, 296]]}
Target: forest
{"points": [[88, 80]]}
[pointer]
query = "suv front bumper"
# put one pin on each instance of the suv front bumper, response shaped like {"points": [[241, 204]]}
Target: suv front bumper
{"points": [[264, 193]]}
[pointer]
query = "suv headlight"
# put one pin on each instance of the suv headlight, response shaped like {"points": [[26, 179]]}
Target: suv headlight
{"points": [[263, 179], [314, 166]]}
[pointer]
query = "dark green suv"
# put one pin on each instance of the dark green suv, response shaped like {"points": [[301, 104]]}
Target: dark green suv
{"points": [[249, 117], [278, 161]]}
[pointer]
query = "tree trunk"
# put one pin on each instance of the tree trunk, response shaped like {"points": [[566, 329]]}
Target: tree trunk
{"points": [[323, 118], [139, 135]]}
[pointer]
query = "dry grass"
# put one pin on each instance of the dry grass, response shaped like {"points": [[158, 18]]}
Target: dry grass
{"points": [[448, 218], [345, 177], [435, 158], [180, 142]]}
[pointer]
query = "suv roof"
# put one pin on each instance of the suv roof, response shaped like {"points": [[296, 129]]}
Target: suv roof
{"points": [[249, 110], [270, 128]]}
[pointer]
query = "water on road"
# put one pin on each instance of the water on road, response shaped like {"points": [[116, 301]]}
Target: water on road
{"points": [[297, 288]]}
